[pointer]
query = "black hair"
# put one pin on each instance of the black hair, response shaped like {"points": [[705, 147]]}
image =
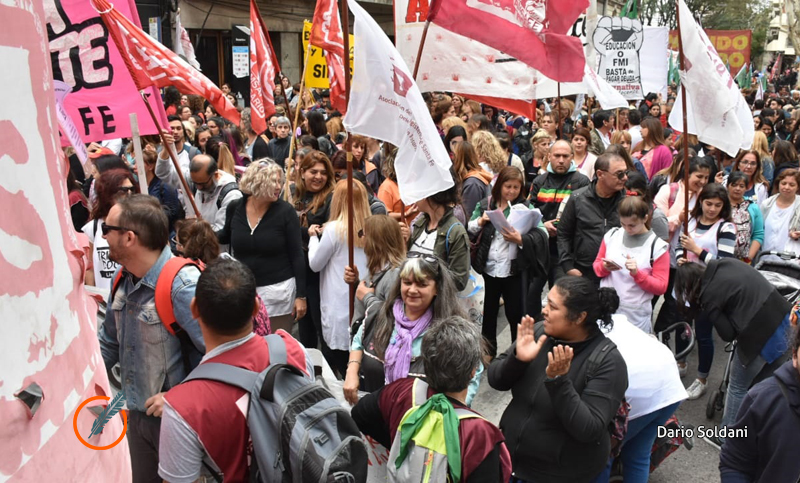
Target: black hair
{"points": [[212, 146], [359, 176], [713, 191], [767, 112], [316, 124], [737, 176], [599, 117], [454, 132], [310, 141], [108, 162], [758, 104], [448, 197], [173, 117], [172, 96], [637, 182], [198, 120], [634, 117], [688, 286], [581, 295], [143, 215], [226, 296], [504, 139], [651, 97], [483, 122]]}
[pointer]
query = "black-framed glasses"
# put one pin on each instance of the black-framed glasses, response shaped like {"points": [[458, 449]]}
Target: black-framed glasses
{"points": [[128, 190], [106, 229], [425, 256]]}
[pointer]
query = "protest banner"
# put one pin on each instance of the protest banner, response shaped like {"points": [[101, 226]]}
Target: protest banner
{"points": [[50, 335], [733, 46], [618, 41], [85, 58], [317, 71]]}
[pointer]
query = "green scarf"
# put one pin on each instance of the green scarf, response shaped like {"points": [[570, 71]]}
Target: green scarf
{"points": [[410, 427]]}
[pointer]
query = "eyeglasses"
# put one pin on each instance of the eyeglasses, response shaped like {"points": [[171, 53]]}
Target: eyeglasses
{"points": [[106, 229], [620, 175], [129, 190], [425, 256], [748, 163]]}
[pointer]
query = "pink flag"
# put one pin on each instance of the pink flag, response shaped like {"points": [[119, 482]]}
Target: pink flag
{"points": [[326, 33], [263, 67], [534, 32]]}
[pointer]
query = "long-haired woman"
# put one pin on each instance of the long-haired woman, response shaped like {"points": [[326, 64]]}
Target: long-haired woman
{"points": [[491, 156], [385, 251], [475, 180], [784, 155], [584, 160], [362, 163], [761, 146], [111, 186], [749, 163], [653, 152], [455, 135], [782, 214], [328, 256], [746, 215]]}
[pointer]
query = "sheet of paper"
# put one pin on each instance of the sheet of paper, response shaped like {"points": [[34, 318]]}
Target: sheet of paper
{"points": [[498, 219], [524, 219]]}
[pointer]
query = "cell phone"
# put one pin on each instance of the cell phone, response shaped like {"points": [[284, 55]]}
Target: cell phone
{"points": [[612, 263]]}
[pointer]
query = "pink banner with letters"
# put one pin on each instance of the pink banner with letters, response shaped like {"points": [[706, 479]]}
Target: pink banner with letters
{"points": [[48, 335], [86, 58]]}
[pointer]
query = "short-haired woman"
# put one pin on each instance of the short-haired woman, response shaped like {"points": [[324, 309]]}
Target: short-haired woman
{"points": [[584, 160], [749, 163], [264, 234], [782, 214], [746, 215], [556, 425], [653, 152]]}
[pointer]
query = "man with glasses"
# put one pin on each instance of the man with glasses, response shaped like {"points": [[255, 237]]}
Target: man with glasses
{"points": [[590, 212], [213, 188], [549, 192], [152, 359]]}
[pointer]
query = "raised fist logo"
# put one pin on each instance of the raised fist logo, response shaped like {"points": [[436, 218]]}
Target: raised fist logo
{"points": [[618, 41]]}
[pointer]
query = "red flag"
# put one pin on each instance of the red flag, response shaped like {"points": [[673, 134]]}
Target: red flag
{"points": [[263, 67], [326, 33], [152, 64], [776, 68], [517, 106], [534, 32]]}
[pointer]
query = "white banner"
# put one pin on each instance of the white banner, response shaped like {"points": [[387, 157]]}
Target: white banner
{"points": [[618, 41], [65, 123], [386, 104]]}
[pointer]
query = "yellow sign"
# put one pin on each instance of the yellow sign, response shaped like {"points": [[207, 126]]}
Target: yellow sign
{"points": [[317, 71]]}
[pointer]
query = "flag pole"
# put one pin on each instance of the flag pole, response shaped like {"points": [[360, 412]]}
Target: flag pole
{"points": [[681, 59], [293, 139], [345, 21], [173, 157], [558, 111], [419, 50]]}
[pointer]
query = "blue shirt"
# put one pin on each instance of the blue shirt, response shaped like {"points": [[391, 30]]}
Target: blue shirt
{"points": [[133, 334]]}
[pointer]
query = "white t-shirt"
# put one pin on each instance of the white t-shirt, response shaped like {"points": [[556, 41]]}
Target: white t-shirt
{"points": [[653, 379], [425, 242], [776, 228], [104, 268]]}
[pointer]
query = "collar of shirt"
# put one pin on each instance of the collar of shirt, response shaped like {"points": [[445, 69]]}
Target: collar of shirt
{"points": [[226, 347], [151, 277]]}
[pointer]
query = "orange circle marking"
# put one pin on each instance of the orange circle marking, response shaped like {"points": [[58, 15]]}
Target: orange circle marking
{"points": [[91, 446]]}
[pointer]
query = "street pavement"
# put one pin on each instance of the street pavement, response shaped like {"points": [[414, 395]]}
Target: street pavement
{"points": [[699, 464]]}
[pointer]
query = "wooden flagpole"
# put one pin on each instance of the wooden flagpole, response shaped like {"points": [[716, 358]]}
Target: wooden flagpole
{"points": [[558, 111], [345, 21], [419, 50], [293, 139], [171, 151], [681, 60]]}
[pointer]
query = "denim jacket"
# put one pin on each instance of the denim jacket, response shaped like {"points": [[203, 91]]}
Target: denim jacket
{"points": [[133, 335]]}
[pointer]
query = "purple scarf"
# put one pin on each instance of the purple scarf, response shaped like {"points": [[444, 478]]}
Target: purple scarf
{"points": [[398, 354]]}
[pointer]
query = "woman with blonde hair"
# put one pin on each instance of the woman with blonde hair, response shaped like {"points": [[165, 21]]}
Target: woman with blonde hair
{"points": [[335, 127], [490, 155], [623, 138], [385, 250], [540, 143], [761, 146], [328, 256], [264, 234], [469, 109], [451, 122]]}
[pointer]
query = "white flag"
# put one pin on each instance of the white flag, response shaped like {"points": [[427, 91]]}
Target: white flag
{"points": [[606, 95], [716, 111], [386, 104], [182, 44]]}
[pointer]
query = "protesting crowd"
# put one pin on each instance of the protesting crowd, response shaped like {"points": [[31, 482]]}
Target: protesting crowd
{"points": [[574, 225]]}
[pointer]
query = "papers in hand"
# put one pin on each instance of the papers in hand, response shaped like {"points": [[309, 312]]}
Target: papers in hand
{"points": [[521, 218]]}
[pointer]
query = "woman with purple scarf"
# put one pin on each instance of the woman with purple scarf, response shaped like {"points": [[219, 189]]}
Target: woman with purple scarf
{"points": [[389, 347]]}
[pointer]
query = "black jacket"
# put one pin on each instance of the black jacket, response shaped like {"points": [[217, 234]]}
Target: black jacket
{"points": [[769, 451], [549, 190], [534, 254], [557, 430], [742, 304], [279, 150], [585, 220]]}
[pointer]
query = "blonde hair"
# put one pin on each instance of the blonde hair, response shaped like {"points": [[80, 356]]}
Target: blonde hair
{"points": [[302, 104], [259, 179], [361, 210], [489, 150], [453, 121], [189, 129], [618, 136], [225, 160], [761, 145], [334, 126], [383, 244], [541, 134]]}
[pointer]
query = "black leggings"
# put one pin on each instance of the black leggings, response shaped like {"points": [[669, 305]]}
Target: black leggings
{"points": [[510, 288]]}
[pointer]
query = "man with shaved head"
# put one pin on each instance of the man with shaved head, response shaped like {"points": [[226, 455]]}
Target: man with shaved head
{"points": [[549, 193]]}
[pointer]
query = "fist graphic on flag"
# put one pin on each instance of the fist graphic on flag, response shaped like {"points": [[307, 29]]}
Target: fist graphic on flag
{"points": [[617, 41]]}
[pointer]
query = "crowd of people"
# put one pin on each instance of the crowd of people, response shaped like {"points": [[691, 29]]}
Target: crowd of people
{"points": [[269, 253]]}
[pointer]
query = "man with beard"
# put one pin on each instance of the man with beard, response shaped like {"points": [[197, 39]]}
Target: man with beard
{"points": [[213, 188], [151, 358]]}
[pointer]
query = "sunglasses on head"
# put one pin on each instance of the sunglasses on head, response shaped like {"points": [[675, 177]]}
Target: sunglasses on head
{"points": [[106, 229], [425, 256]]}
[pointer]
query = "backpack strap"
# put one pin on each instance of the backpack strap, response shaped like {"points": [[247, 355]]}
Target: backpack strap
{"points": [[215, 371], [224, 192], [278, 361], [447, 238], [419, 392], [596, 357], [163, 296], [114, 286]]}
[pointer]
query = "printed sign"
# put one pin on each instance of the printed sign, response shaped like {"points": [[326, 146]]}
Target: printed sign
{"points": [[618, 41], [241, 61], [733, 46], [317, 71]]}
